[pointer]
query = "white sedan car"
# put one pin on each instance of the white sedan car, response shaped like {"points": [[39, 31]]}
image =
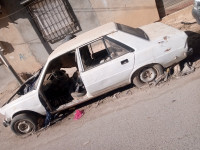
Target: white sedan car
{"points": [[91, 64]]}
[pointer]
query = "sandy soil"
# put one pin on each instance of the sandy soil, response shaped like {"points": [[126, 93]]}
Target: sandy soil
{"points": [[113, 101]]}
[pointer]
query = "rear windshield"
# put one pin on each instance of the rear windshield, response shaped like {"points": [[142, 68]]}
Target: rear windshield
{"points": [[134, 31]]}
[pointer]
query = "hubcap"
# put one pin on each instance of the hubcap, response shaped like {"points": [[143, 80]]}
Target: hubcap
{"points": [[148, 75], [24, 126]]}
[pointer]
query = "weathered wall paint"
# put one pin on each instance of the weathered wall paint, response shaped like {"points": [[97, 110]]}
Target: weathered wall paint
{"points": [[16, 50], [6, 77], [130, 12]]}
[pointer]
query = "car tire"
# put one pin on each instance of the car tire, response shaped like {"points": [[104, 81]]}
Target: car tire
{"points": [[23, 124], [154, 71]]}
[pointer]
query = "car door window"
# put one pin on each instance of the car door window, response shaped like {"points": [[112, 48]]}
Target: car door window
{"points": [[94, 54], [115, 48]]}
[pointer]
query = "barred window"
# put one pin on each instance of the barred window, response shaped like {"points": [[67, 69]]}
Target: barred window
{"points": [[54, 18]]}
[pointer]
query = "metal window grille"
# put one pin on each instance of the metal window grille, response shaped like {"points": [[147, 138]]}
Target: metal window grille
{"points": [[54, 18]]}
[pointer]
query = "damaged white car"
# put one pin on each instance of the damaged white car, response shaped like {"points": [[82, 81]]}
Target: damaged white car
{"points": [[91, 64]]}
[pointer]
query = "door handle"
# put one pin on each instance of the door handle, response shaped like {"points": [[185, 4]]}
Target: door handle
{"points": [[124, 61]]}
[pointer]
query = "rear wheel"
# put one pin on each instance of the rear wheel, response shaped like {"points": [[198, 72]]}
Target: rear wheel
{"points": [[23, 124], [147, 74]]}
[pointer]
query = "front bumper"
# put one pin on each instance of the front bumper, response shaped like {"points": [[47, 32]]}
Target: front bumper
{"points": [[6, 123], [196, 15]]}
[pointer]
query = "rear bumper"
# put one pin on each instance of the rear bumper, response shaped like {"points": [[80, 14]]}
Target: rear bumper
{"points": [[196, 15]]}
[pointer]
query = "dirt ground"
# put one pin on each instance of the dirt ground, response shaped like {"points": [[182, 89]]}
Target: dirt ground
{"points": [[182, 20]]}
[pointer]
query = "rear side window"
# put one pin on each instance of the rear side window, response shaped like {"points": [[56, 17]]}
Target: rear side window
{"points": [[94, 54], [116, 48], [133, 31]]}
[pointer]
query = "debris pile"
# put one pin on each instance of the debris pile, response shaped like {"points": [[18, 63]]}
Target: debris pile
{"points": [[187, 69], [175, 71]]}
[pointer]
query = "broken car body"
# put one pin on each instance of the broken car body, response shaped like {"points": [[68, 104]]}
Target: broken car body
{"points": [[102, 59]]}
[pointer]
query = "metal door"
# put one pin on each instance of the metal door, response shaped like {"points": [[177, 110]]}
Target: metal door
{"points": [[166, 7]]}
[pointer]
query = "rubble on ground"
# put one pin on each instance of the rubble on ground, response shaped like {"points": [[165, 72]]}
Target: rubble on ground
{"points": [[176, 73]]}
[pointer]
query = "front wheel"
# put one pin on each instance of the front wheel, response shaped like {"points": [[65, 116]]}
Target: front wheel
{"points": [[147, 74], [23, 124]]}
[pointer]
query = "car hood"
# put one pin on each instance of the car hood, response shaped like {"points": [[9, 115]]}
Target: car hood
{"points": [[8, 106], [25, 88], [157, 31]]}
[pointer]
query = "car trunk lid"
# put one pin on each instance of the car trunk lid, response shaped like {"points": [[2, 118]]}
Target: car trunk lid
{"points": [[157, 31]]}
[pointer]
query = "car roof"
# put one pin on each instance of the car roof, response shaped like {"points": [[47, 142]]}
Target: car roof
{"points": [[83, 39]]}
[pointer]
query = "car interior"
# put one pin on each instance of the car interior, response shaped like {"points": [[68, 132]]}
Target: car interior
{"points": [[62, 82], [101, 51], [94, 54]]}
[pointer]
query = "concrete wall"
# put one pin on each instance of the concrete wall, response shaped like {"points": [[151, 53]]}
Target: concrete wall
{"points": [[6, 77], [87, 19], [85, 14], [30, 38], [130, 12], [16, 50]]}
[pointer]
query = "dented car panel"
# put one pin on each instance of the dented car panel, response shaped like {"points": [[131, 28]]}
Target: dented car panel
{"points": [[103, 59], [29, 101], [166, 49]]}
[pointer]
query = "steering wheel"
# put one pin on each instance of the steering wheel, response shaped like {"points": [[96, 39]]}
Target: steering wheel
{"points": [[59, 75]]}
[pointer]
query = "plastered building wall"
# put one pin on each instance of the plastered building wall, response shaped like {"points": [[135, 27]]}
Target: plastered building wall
{"points": [[16, 50], [130, 12]]}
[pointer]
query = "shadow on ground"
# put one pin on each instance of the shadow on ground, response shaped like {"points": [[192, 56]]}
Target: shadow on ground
{"points": [[63, 114]]}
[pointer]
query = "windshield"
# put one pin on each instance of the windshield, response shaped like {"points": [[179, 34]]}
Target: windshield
{"points": [[134, 31], [28, 86]]}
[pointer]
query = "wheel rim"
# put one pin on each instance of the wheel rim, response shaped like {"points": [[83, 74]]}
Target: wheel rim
{"points": [[148, 75], [24, 126]]}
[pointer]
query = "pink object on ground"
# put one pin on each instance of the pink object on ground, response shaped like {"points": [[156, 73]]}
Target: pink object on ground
{"points": [[78, 114]]}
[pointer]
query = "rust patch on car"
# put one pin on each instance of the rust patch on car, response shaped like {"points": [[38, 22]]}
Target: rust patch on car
{"points": [[165, 38], [167, 49]]}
